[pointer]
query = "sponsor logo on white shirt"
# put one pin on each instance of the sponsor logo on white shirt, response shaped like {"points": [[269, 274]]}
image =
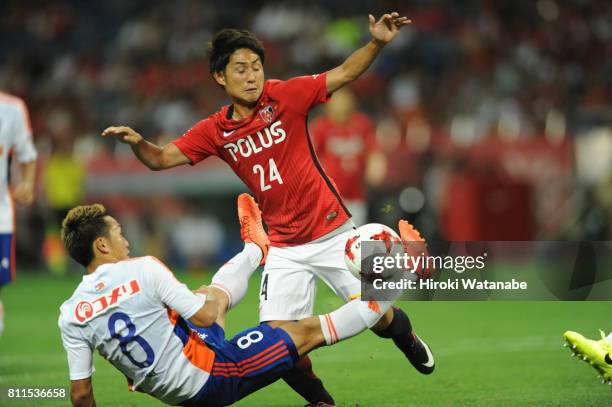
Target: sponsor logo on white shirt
{"points": [[86, 310]]}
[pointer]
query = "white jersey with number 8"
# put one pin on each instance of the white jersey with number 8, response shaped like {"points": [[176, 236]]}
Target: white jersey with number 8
{"points": [[131, 312]]}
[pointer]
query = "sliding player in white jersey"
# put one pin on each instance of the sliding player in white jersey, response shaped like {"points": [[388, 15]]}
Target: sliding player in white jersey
{"points": [[15, 140], [168, 341]]}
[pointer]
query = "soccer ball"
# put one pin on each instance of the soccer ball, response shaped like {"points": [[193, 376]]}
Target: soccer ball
{"points": [[390, 243]]}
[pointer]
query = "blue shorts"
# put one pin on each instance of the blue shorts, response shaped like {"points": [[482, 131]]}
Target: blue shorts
{"points": [[254, 358], [214, 336], [7, 258]]}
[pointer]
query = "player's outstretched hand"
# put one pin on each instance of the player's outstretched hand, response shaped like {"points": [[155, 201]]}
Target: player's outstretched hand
{"points": [[123, 133], [386, 28]]}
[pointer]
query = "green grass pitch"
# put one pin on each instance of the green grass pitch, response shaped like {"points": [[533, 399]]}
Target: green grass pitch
{"points": [[487, 354]]}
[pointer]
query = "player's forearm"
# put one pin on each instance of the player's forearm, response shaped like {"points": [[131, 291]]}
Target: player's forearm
{"points": [[24, 191], [28, 172], [360, 60], [149, 154], [207, 315], [212, 309], [355, 65]]}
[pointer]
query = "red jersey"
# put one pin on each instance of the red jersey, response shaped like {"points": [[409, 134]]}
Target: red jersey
{"points": [[343, 150], [272, 154]]}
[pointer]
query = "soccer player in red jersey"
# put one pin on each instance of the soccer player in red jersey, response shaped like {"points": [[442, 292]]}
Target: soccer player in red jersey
{"points": [[263, 136], [345, 142]]}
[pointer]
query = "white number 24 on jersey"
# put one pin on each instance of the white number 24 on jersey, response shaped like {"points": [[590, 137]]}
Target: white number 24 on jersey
{"points": [[274, 175]]}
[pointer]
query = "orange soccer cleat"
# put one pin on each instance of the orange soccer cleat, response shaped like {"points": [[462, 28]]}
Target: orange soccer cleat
{"points": [[414, 244], [251, 226]]}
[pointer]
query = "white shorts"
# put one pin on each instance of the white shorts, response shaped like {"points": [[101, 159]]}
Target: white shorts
{"points": [[288, 285]]}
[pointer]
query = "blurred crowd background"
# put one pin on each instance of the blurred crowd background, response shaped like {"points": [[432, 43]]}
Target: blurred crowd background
{"points": [[493, 118]]}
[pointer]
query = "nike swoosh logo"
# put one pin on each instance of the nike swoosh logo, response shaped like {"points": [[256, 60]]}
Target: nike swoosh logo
{"points": [[228, 133], [430, 358], [608, 359]]}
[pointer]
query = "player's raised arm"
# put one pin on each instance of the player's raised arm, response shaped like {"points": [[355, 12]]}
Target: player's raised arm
{"points": [[383, 31], [81, 393], [153, 156]]}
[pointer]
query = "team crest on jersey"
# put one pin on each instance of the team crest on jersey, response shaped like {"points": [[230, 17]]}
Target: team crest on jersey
{"points": [[267, 114], [86, 310]]}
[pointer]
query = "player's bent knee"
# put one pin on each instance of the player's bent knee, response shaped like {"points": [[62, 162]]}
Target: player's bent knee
{"points": [[306, 334], [277, 324], [313, 334]]}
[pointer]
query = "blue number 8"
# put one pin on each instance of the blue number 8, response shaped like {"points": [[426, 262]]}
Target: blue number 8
{"points": [[130, 337]]}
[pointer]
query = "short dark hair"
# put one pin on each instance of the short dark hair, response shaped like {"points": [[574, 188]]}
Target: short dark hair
{"points": [[228, 40], [80, 228]]}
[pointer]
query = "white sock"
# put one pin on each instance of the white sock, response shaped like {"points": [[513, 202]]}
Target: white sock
{"points": [[609, 337], [1, 318], [352, 318], [233, 276]]}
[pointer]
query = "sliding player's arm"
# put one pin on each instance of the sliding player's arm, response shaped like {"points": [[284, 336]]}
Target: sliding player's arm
{"points": [[80, 363], [208, 313], [153, 156], [81, 393], [218, 297], [383, 31], [201, 308]]}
